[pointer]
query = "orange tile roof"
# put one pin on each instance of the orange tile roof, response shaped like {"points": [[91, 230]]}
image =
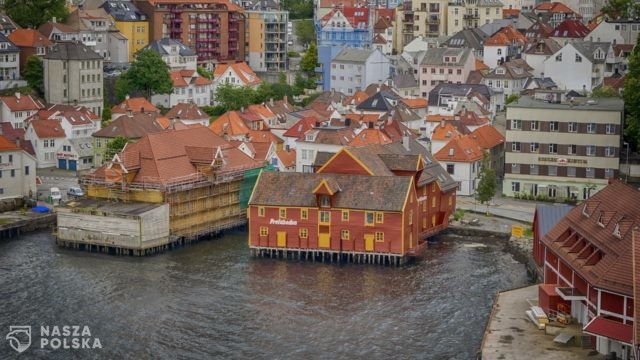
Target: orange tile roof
{"points": [[460, 149], [46, 129], [229, 123], [370, 136], [553, 7], [262, 110], [298, 129], [263, 136], [21, 102], [28, 38], [187, 112], [287, 158], [487, 137], [510, 13], [448, 131], [481, 66], [506, 36], [241, 69], [135, 104], [7, 145], [438, 118], [416, 103], [570, 28], [356, 98], [470, 118]]}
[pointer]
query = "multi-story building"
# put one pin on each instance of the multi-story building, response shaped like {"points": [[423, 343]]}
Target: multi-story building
{"points": [[507, 79], [267, 39], [56, 31], [581, 65], [18, 107], [97, 30], [131, 22], [554, 13], [466, 14], [353, 70], [537, 52], [30, 42], [175, 54], [504, 45], [9, 64], [214, 29], [561, 149], [188, 87], [238, 74], [619, 31], [73, 75], [7, 26], [445, 65], [17, 171]]}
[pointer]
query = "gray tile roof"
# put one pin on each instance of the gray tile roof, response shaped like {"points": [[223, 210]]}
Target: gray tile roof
{"points": [[11, 47], [587, 48], [401, 81], [467, 38], [490, 3], [436, 56], [547, 216], [157, 46], [385, 193], [457, 90], [353, 55], [71, 51], [514, 69], [122, 10], [83, 146]]}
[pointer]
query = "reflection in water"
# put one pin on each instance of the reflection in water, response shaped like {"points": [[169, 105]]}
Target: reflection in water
{"points": [[213, 300]]}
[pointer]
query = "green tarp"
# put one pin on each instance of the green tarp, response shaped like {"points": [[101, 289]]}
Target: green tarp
{"points": [[248, 182]]}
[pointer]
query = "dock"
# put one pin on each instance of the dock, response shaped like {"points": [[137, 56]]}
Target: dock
{"points": [[330, 256], [14, 223], [509, 334]]}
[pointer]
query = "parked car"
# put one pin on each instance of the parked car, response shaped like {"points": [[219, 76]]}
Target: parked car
{"points": [[55, 194], [75, 191]]}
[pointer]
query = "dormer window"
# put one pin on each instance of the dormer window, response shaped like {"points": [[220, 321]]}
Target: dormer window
{"points": [[325, 201], [584, 210], [616, 231], [601, 219]]}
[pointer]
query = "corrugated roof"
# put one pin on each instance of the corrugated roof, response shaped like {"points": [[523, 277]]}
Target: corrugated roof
{"points": [[71, 51], [547, 216]]}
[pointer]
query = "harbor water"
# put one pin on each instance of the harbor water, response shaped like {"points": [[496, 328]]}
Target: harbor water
{"points": [[213, 301]]}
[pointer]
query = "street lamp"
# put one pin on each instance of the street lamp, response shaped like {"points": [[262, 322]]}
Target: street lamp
{"points": [[626, 173]]}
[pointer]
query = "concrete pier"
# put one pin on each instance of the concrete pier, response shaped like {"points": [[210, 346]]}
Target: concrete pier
{"points": [[511, 335]]}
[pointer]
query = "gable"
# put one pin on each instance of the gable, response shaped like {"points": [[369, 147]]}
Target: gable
{"points": [[344, 162]]}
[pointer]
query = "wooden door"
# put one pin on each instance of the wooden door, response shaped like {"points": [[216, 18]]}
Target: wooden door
{"points": [[281, 239], [323, 240], [368, 242]]}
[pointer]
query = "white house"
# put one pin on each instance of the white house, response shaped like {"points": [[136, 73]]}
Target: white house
{"points": [[323, 139], [17, 171], [15, 109], [238, 74], [462, 157], [9, 64], [618, 31], [45, 136], [507, 79], [188, 114], [504, 45], [580, 65], [354, 69], [175, 54], [188, 87], [538, 52]]}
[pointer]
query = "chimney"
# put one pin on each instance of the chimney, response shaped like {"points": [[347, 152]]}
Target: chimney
{"points": [[18, 96], [442, 123], [54, 20], [172, 123], [129, 113], [126, 97], [405, 142], [242, 109], [18, 142], [271, 101], [286, 99], [142, 109]]}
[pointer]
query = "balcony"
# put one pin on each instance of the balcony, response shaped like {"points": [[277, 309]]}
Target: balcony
{"points": [[471, 16], [176, 20], [433, 19]]}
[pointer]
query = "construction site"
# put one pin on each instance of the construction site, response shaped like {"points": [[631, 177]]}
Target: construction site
{"points": [[210, 198]]}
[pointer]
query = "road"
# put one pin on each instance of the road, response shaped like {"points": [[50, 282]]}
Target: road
{"points": [[53, 177], [520, 210]]}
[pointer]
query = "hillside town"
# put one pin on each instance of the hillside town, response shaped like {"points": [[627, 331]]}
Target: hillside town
{"points": [[358, 132]]}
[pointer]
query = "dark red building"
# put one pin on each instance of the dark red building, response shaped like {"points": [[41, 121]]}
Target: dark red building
{"points": [[588, 267]]}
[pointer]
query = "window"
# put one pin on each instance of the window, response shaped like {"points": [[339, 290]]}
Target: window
{"points": [[516, 124], [608, 173], [591, 172], [559, 58], [369, 218], [303, 233], [13, 172], [515, 186], [535, 125], [571, 171], [344, 234], [533, 147], [591, 128], [379, 236], [578, 58], [324, 201], [515, 168], [264, 231], [451, 168], [533, 169], [572, 126], [553, 148], [610, 129], [515, 146], [304, 214], [345, 215], [499, 51], [609, 151], [553, 126], [26, 170], [261, 211], [572, 149], [591, 150], [379, 217], [325, 217], [11, 158], [282, 213], [552, 170], [433, 201]]}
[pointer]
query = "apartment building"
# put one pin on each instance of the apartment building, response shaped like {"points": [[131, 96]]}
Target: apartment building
{"points": [[468, 14], [215, 30], [267, 39], [445, 65], [9, 64], [131, 22], [97, 30], [353, 70], [561, 148]]}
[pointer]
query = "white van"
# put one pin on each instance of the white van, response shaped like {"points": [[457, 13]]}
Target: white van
{"points": [[55, 194]]}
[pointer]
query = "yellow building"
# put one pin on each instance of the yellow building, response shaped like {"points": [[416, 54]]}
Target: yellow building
{"points": [[267, 39], [131, 22]]}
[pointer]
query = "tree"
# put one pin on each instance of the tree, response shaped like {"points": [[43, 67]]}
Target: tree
{"points": [[34, 73], [114, 146], [149, 74], [123, 88], [204, 72], [306, 31], [511, 98], [106, 113], [604, 91], [298, 9], [234, 97], [631, 97], [624, 9], [487, 184], [310, 60], [33, 13]]}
